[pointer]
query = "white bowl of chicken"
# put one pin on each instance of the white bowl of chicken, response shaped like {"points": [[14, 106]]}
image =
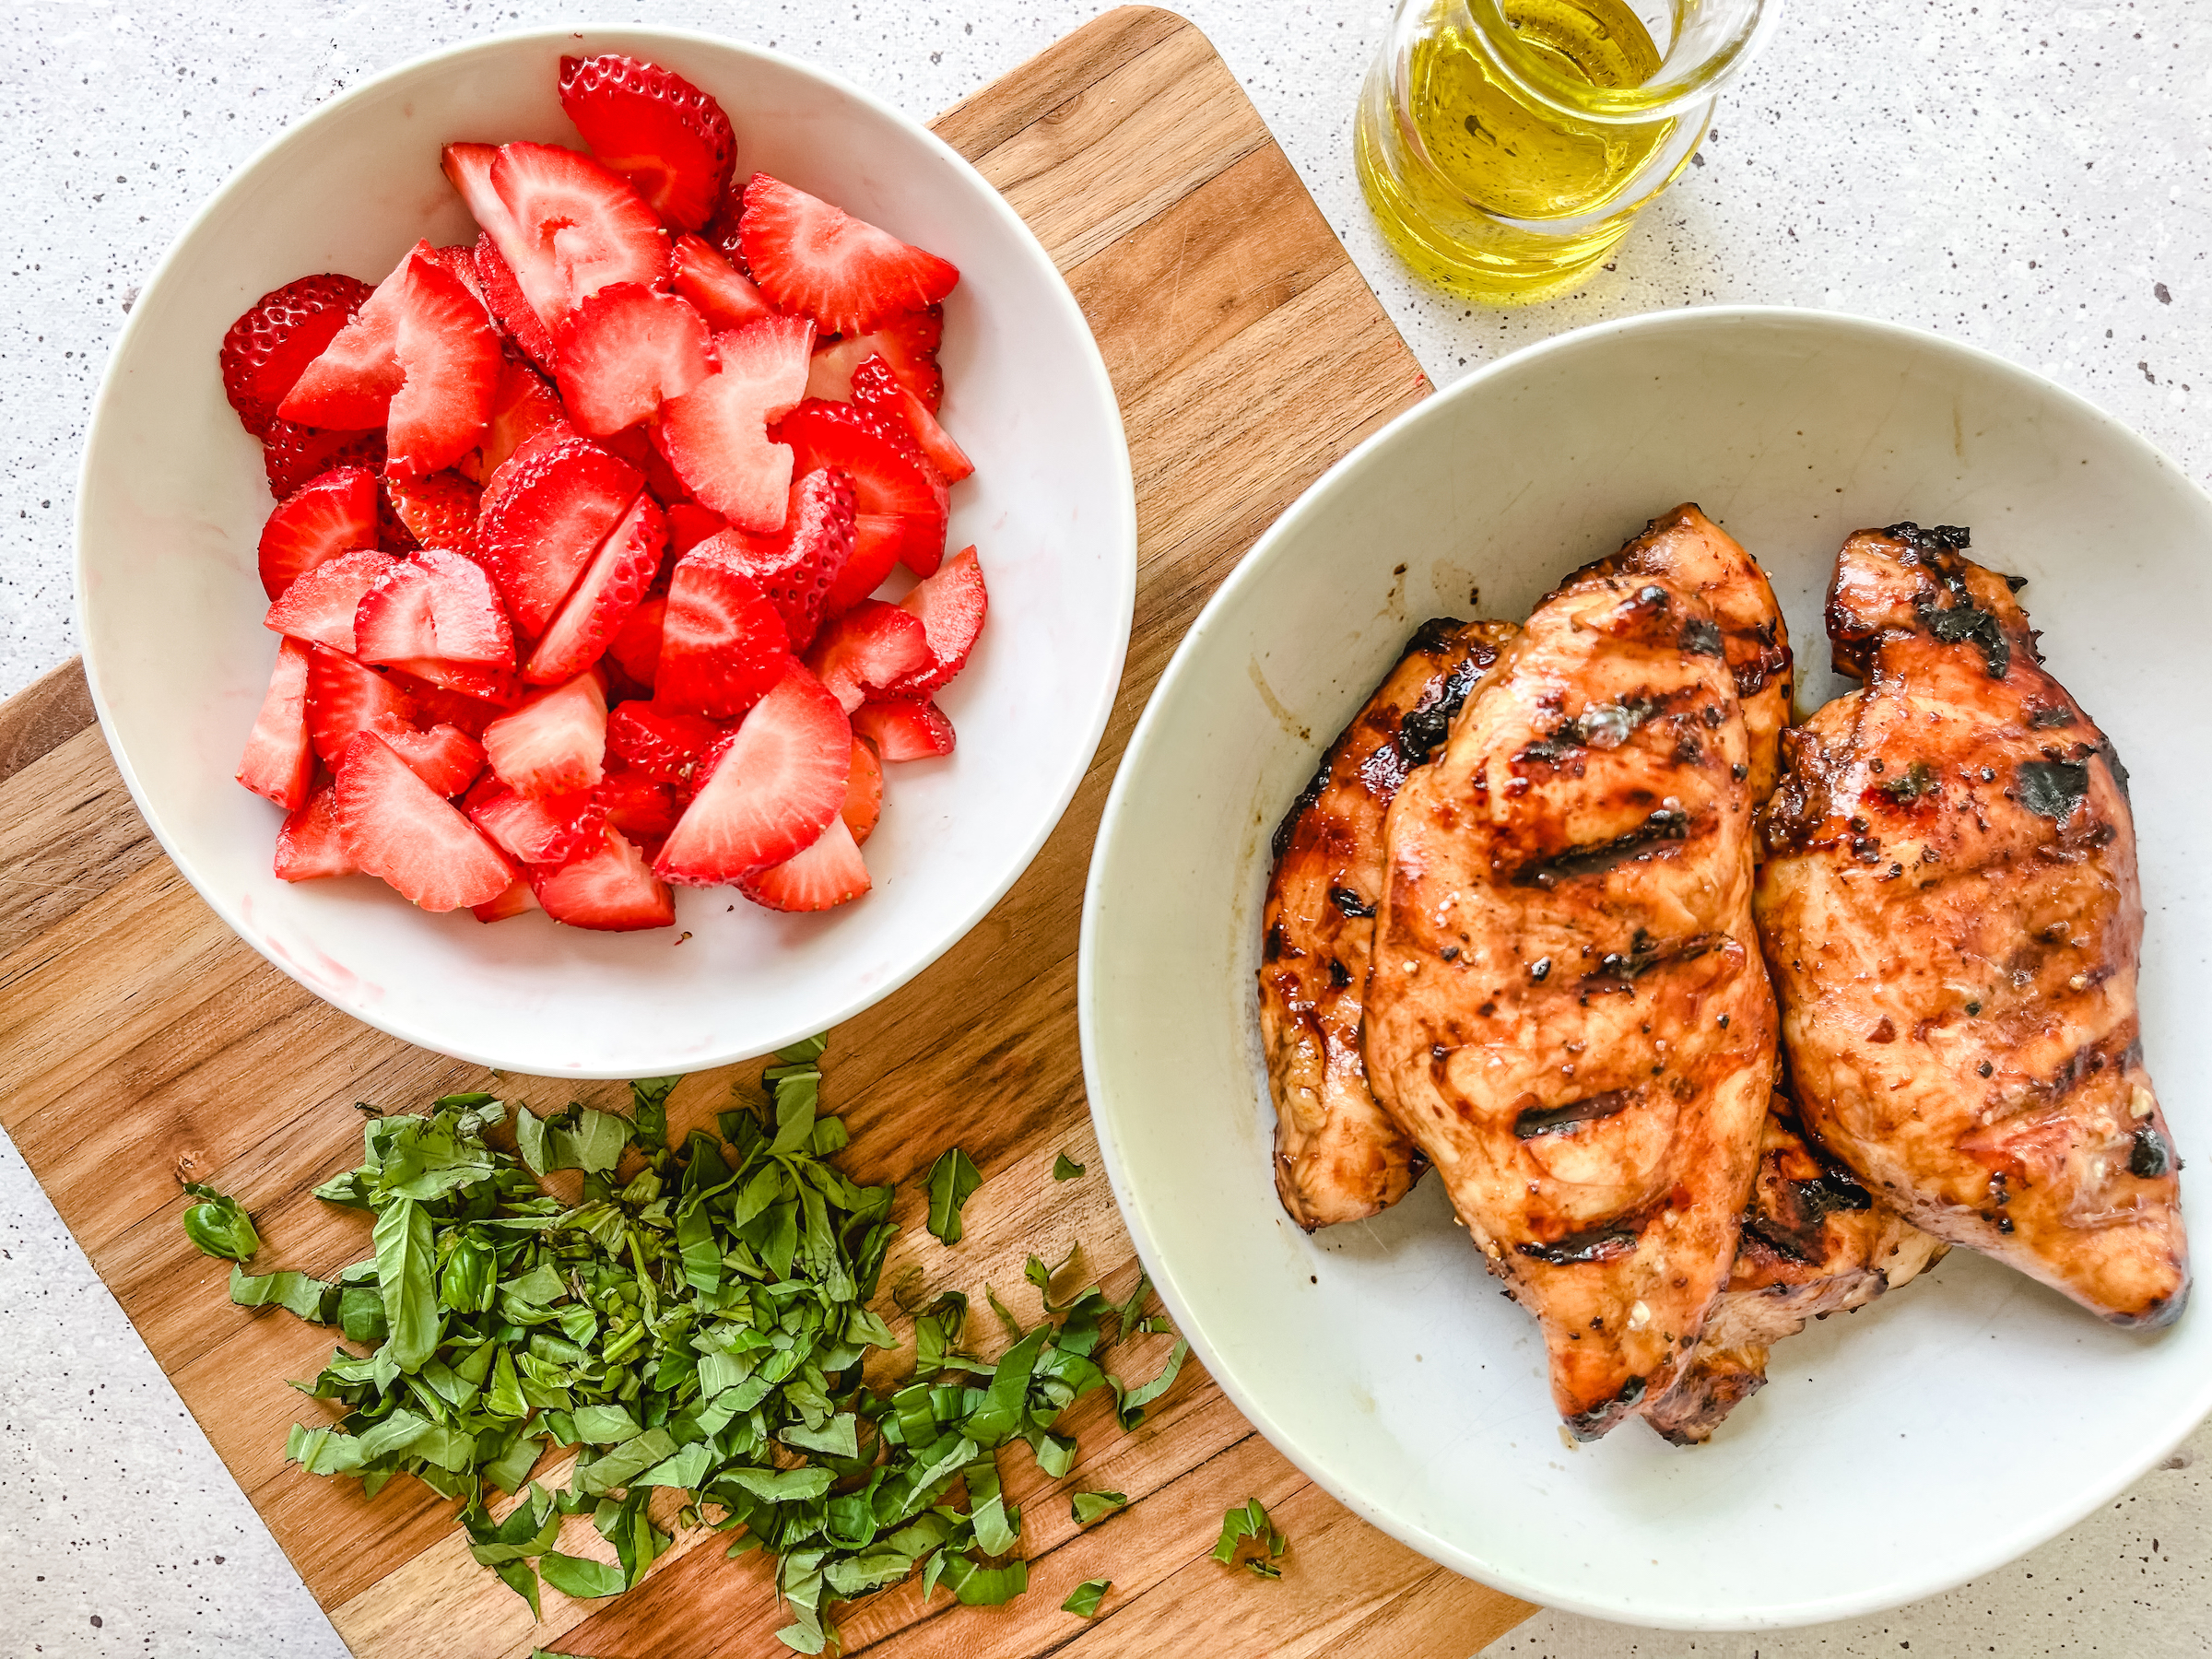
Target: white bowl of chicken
{"points": [[1512, 964]]}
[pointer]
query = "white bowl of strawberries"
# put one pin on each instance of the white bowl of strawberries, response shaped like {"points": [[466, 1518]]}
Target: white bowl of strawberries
{"points": [[644, 577]]}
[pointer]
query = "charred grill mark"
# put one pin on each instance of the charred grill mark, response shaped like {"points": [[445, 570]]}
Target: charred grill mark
{"points": [[1339, 975], [1349, 903], [1306, 799], [1937, 539], [1434, 636], [1702, 637], [1277, 941], [2080, 1067], [1793, 1218], [1584, 1425], [1598, 1244], [1427, 725], [1617, 968], [1666, 824], [1534, 1121]]}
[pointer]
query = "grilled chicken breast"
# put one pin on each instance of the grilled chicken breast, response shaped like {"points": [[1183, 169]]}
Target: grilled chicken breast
{"points": [[1567, 1011], [1950, 906], [1814, 1243], [1337, 1154]]}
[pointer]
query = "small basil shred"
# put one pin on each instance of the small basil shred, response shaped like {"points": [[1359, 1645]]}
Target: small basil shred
{"points": [[1065, 1168], [1087, 1507], [218, 1226], [1248, 1524], [1083, 1599], [698, 1323], [952, 1182]]}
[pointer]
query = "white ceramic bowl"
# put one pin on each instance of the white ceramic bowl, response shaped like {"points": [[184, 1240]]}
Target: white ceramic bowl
{"points": [[1895, 1452], [172, 499]]}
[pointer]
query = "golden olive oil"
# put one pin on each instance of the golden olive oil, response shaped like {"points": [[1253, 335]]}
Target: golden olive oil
{"points": [[1468, 176]]}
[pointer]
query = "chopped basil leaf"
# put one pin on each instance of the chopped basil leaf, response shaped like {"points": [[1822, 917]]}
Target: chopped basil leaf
{"points": [[1250, 1524], [218, 1226], [1087, 1507], [1083, 1599], [952, 1182], [579, 1576], [1065, 1168]]}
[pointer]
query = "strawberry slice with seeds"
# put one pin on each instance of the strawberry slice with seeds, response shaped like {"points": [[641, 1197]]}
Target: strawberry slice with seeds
{"points": [[439, 510], [445, 757], [279, 335], [395, 826], [466, 684], [951, 605], [344, 697], [567, 228], [625, 351], [309, 847], [871, 646], [460, 259], [669, 139], [554, 745], [522, 407], [908, 342], [279, 762], [321, 606], [643, 810], [689, 524], [818, 260], [864, 792], [723, 294], [830, 873], [797, 566], [294, 455], [636, 647], [517, 900], [716, 436], [333, 513], [613, 890], [436, 604], [724, 644], [551, 831], [890, 474], [905, 731], [878, 390], [545, 513], [877, 540], [610, 588], [510, 307], [768, 791], [660, 744]]}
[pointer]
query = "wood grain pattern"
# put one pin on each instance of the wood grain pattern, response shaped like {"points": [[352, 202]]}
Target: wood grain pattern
{"points": [[146, 1041]]}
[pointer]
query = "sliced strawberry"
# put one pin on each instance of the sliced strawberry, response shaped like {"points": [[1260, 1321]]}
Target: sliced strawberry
{"points": [[819, 261], [465, 684], [830, 873], [567, 228], [689, 524], [522, 407], [716, 435], [510, 307], [878, 390], [643, 810], [351, 382], [890, 474], [460, 259], [951, 604], [636, 647], [279, 762], [393, 826], [333, 513], [610, 588], [309, 847], [279, 335], [517, 900], [439, 509], [635, 444], [768, 791], [320, 606], [723, 645], [908, 342], [626, 350], [445, 757], [545, 513], [344, 697], [797, 566], [556, 744], [659, 743], [864, 792], [877, 540], [904, 731], [614, 890], [295, 455], [435, 605], [723, 294], [550, 831], [656, 129], [871, 646]]}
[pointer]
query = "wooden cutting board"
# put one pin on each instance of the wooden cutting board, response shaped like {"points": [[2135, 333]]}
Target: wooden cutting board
{"points": [[145, 1042]]}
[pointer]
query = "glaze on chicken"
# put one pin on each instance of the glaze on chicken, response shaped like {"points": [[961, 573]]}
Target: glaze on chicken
{"points": [[1337, 1154], [1567, 1011], [1952, 910]]}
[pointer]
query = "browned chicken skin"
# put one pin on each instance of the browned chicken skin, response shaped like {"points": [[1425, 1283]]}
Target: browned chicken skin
{"points": [[1567, 1011], [1951, 911], [1338, 1157], [1814, 1243]]}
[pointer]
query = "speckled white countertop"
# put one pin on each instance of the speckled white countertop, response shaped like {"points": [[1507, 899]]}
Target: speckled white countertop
{"points": [[2036, 180]]}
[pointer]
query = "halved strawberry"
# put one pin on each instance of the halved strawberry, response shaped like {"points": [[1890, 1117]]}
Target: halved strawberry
{"points": [[613, 890], [643, 810], [723, 645], [626, 350], [951, 604], [871, 646], [522, 407], [460, 258], [890, 474], [333, 513], [716, 435], [768, 791], [656, 129], [351, 383], [818, 260], [905, 731], [321, 606], [466, 684], [636, 647], [436, 604], [309, 847], [689, 524], [344, 697], [876, 389], [556, 744], [439, 509], [545, 513], [279, 335], [551, 831], [877, 540], [864, 792], [660, 743], [395, 827], [609, 589], [830, 873], [279, 762], [445, 757], [566, 226], [517, 900], [907, 341], [504, 299], [723, 294], [294, 455], [798, 566]]}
